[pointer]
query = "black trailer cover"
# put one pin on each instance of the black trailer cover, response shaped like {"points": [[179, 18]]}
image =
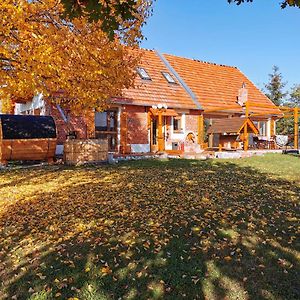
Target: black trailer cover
{"points": [[27, 127]]}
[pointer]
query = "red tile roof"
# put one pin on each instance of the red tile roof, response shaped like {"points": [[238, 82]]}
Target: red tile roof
{"points": [[157, 90], [218, 85]]}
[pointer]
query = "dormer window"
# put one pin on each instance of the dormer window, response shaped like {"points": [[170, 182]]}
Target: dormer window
{"points": [[168, 77], [143, 73]]}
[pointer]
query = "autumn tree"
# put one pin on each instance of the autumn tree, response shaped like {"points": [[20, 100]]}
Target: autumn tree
{"points": [[6, 106], [74, 61], [284, 3], [112, 13]]}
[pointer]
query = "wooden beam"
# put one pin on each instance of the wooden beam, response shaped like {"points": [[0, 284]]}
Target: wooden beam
{"points": [[149, 119], [223, 108], [160, 137], [210, 137], [246, 135], [272, 127], [289, 115], [264, 114], [296, 128], [252, 126], [254, 104]]}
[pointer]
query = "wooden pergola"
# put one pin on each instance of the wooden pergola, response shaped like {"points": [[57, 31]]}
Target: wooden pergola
{"points": [[249, 111]]}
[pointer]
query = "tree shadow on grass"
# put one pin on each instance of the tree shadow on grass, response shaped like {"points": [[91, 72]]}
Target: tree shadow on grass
{"points": [[154, 230]]}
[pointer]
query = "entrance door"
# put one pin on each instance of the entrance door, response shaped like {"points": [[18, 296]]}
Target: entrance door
{"points": [[154, 134]]}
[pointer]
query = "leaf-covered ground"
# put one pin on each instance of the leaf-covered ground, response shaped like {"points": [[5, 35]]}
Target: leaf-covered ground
{"points": [[152, 230]]}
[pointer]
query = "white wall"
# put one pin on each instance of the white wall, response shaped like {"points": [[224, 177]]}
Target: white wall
{"points": [[176, 137], [140, 148]]}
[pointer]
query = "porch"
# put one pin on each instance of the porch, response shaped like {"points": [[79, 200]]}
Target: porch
{"points": [[153, 130], [140, 130]]}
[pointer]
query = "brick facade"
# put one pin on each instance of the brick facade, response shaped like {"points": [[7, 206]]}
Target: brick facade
{"points": [[135, 126], [191, 123], [83, 126]]}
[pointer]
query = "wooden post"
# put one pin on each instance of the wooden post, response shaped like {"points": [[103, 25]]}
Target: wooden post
{"points": [[296, 128], [201, 130], [160, 132], [272, 127], [149, 119], [247, 109], [246, 135], [210, 137]]}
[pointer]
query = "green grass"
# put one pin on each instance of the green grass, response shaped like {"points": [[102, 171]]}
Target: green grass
{"points": [[277, 165], [174, 229]]}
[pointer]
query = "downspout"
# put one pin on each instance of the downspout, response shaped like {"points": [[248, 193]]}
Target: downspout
{"points": [[62, 113]]}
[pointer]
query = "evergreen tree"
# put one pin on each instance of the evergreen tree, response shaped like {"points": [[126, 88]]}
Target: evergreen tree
{"points": [[275, 87], [286, 126], [295, 96]]}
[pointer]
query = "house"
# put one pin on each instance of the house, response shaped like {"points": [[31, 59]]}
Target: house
{"points": [[169, 109]]}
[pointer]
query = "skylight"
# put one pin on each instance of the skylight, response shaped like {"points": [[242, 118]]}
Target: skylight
{"points": [[143, 73], [168, 77]]}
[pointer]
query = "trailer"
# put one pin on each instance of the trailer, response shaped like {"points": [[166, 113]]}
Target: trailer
{"points": [[27, 138]]}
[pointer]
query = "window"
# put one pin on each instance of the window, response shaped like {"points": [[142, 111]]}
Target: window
{"points": [[101, 121], [168, 77], [177, 124], [262, 128], [106, 127], [143, 74], [106, 121]]}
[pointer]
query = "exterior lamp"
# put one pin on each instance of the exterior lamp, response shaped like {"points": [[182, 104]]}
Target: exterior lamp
{"points": [[160, 106]]}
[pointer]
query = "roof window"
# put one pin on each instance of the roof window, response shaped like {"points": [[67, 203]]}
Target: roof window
{"points": [[143, 73], [168, 77]]}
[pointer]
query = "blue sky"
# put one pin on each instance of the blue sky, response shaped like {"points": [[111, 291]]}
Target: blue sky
{"points": [[253, 37]]}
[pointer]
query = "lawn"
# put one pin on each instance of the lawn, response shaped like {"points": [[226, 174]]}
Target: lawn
{"points": [[178, 229]]}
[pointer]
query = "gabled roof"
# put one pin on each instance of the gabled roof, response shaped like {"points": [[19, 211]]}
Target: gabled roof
{"points": [[231, 125], [157, 90], [217, 85]]}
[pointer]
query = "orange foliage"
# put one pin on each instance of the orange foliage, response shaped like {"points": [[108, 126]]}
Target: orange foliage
{"points": [[5, 106], [42, 52]]}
